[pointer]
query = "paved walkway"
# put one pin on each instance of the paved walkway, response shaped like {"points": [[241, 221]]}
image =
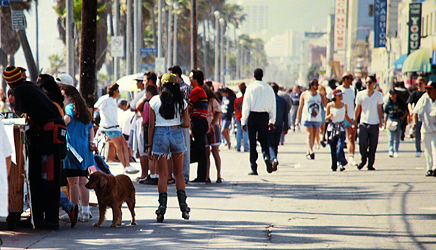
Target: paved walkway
{"points": [[304, 205]]}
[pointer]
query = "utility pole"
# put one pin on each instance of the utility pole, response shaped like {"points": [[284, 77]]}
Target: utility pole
{"points": [[129, 38], [176, 8], [193, 34], [37, 36], [159, 36], [222, 22], [70, 39], [169, 35], [217, 35], [137, 36], [88, 47], [117, 33]]}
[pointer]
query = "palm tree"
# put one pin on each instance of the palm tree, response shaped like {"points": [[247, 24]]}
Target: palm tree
{"points": [[11, 40], [103, 9], [57, 62]]}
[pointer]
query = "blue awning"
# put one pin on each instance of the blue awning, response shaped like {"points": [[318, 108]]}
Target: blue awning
{"points": [[398, 64]]}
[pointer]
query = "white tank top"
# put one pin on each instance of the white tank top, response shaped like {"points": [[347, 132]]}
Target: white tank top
{"points": [[338, 114], [312, 108]]}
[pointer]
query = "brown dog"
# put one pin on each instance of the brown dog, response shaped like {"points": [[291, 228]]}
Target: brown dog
{"points": [[112, 191]]}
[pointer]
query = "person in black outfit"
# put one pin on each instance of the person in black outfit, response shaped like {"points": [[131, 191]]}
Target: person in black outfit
{"points": [[411, 102], [46, 144]]}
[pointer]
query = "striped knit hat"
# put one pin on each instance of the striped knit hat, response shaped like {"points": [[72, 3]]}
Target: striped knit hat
{"points": [[12, 74]]}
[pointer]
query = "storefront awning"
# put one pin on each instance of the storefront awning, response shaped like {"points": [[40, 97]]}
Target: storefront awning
{"points": [[398, 64], [418, 61]]}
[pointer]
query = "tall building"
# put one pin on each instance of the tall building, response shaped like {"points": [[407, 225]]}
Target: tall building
{"points": [[256, 19]]}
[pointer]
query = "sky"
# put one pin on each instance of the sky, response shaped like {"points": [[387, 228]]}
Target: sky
{"points": [[49, 42], [296, 15]]}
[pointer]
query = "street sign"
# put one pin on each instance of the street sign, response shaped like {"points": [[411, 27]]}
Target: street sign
{"points": [[147, 51], [4, 3], [18, 20], [117, 46]]}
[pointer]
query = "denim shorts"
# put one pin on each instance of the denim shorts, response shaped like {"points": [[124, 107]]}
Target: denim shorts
{"points": [[309, 124], [167, 140], [113, 134], [227, 123]]}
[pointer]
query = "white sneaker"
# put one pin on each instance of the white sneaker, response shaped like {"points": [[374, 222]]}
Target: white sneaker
{"points": [[396, 155], [131, 170], [64, 217], [351, 160], [391, 154], [85, 217], [418, 154]]}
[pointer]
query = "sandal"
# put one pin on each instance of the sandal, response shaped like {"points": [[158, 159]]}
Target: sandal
{"points": [[207, 180], [171, 181], [219, 180]]}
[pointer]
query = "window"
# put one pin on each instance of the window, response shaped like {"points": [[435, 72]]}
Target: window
{"points": [[371, 10]]}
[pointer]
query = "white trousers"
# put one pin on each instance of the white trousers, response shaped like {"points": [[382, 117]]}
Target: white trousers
{"points": [[429, 143]]}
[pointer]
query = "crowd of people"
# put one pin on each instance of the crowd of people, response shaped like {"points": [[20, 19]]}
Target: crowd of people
{"points": [[171, 124]]}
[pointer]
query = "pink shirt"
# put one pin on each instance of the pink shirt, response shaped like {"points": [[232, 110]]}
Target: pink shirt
{"points": [[145, 112]]}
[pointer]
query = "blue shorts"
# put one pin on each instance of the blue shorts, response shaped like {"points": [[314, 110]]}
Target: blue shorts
{"points": [[113, 134], [167, 140], [309, 124], [347, 124], [227, 123]]}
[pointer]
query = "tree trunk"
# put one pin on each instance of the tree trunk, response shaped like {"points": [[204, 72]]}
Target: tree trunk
{"points": [[88, 51], [31, 65]]}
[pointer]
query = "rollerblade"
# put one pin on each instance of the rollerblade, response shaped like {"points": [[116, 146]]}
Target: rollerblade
{"points": [[181, 196], [163, 197]]}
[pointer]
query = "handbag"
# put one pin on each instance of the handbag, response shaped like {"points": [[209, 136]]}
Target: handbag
{"points": [[392, 125]]}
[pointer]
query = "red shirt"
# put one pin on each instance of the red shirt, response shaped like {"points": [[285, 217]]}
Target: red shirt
{"points": [[198, 100], [238, 107]]}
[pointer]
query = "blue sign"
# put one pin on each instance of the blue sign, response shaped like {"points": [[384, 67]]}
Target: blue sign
{"points": [[4, 3], [147, 51], [145, 67], [380, 21]]}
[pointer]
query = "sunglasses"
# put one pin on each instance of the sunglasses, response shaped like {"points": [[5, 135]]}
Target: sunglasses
{"points": [[369, 82]]}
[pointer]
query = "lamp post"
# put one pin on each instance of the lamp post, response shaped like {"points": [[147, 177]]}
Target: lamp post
{"points": [[222, 22], [217, 25]]}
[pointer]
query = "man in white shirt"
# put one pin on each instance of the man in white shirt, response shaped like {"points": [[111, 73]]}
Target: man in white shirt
{"points": [[425, 111], [349, 96], [369, 103], [136, 138], [259, 107]]}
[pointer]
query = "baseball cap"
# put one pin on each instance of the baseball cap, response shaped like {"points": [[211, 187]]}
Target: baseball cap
{"points": [[169, 78], [65, 79], [337, 92], [122, 101], [139, 77], [430, 85]]}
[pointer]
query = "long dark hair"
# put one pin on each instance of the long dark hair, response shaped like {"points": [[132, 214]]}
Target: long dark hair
{"points": [[49, 86], [171, 97], [210, 94], [81, 112]]}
